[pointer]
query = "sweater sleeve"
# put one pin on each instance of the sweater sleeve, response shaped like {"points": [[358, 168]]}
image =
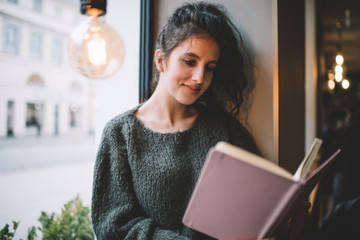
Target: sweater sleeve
{"points": [[115, 212]]}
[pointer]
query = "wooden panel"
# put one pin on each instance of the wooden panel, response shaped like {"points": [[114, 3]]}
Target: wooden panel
{"points": [[291, 34]]}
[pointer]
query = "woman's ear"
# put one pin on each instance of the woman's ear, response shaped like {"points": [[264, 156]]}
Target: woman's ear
{"points": [[159, 60]]}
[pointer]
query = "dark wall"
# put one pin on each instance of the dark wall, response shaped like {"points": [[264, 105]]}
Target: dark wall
{"points": [[291, 39]]}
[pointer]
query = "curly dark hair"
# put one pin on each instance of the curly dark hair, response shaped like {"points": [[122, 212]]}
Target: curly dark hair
{"points": [[227, 89]]}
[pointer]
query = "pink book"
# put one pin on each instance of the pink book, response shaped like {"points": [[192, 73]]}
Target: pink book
{"points": [[240, 195]]}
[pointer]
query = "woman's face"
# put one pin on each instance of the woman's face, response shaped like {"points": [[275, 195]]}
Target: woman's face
{"points": [[188, 71]]}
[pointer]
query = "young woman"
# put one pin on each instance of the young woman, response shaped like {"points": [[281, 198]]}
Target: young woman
{"points": [[150, 157]]}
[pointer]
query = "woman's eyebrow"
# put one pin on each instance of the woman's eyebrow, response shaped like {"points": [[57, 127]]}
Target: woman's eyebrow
{"points": [[190, 54]]}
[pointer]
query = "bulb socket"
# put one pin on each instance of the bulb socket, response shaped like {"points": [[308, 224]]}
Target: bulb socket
{"points": [[88, 7]]}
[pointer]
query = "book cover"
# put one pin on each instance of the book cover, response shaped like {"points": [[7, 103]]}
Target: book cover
{"points": [[240, 195]]}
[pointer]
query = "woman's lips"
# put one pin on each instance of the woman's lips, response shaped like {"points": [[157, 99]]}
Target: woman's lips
{"points": [[192, 88]]}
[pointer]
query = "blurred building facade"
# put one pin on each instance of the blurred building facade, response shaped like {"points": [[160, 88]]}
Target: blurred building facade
{"points": [[39, 92]]}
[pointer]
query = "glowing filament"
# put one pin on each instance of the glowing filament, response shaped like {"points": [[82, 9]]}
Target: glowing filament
{"points": [[97, 51]]}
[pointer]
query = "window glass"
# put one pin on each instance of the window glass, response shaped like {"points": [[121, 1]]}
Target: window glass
{"points": [[36, 80], [47, 110], [47, 150], [58, 12], [57, 51], [11, 41], [37, 5], [36, 45], [34, 117], [13, 1]]}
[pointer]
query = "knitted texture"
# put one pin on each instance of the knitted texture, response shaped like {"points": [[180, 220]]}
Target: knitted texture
{"points": [[143, 180]]}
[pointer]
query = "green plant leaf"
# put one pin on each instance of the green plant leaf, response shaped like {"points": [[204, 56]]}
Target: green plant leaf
{"points": [[15, 225], [31, 233], [73, 223]]}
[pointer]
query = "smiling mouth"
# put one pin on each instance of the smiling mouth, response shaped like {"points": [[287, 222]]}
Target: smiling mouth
{"points": [[192, 89]]}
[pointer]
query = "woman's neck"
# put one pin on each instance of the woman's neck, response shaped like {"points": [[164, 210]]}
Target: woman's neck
{"points": [[162, 114]]}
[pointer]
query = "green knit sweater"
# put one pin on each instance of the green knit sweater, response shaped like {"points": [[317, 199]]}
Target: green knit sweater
{"points": [[143, 179]]}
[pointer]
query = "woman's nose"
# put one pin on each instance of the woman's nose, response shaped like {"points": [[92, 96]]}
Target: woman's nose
{"points": [[198, 76]]}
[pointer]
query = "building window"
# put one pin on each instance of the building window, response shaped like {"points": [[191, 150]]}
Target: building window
{"points": [[13, 1], [74, 114], [10, 119], [75, 87], [58, 12], [57, 51], [35, 45], [11, 41], [37, 5], [75, 108], [36, 80], [34, 115]]}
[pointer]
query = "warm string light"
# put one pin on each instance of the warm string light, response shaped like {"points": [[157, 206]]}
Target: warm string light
{"points": [[339, 59], [338, 69], [338, 76], [331, 84], [338, 73], [345, 84]]}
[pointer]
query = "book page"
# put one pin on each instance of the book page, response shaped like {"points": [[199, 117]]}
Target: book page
{"points": [[305, 166], [253, 159]]}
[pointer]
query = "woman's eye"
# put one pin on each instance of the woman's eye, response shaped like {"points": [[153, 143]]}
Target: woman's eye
{"points": [[189, 62], [210, 68]]}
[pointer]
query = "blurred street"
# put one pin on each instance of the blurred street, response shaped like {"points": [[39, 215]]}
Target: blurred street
{"points": [[42, 174]]}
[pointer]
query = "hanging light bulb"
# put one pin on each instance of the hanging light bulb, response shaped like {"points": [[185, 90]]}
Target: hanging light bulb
{"points": [[339, 59], [331, 84], [338, 77], [95, 49], [345, 84], [339, 69]]}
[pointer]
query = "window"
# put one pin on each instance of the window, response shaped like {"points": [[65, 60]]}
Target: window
{"points": [[10, 119], [36, 80], [58, 12], [35, 45], [74, 114], [57, 53], [34, 115], [13, 1], [11, 41], [37, 5], [75, 87], [75, 107], [39, 115]]}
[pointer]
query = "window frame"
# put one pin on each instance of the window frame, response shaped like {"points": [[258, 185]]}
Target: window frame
{"points": [[13, 1], [146, 48], [57, 46], [37, 6], [36, 43], [11, 44]]}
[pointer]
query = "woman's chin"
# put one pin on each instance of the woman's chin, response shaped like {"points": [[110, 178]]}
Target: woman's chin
{"points": [[187, 100]]}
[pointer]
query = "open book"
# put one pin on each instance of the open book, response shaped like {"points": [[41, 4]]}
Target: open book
{"points": [[240, 195]]}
